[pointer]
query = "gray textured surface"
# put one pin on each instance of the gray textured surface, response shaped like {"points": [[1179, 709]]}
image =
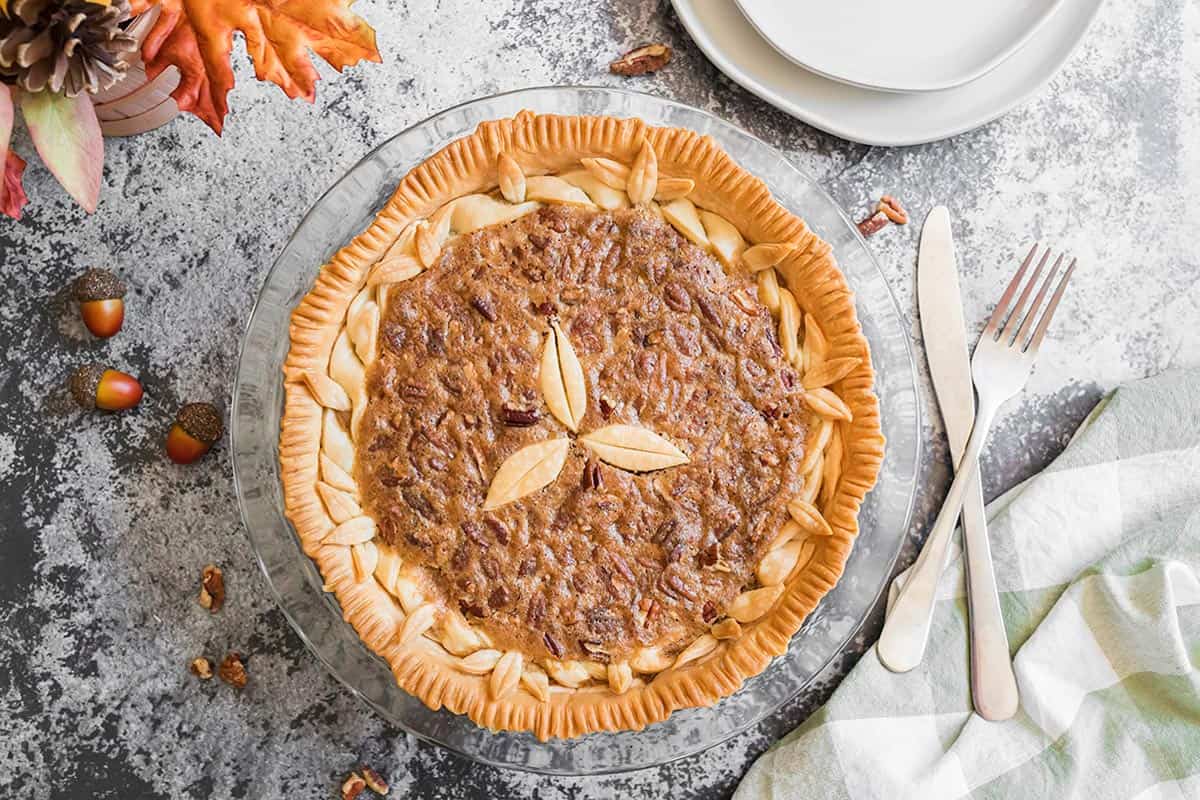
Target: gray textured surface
{"points": [[103, 538]]}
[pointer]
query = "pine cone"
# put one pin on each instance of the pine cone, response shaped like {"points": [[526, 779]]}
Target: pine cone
{"points": [[66, 46]]}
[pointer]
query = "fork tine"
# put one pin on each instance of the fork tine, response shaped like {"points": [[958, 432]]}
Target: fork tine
{"points": [[1002, 304], [1031, 316], [1006, 337], [1039, 333]]}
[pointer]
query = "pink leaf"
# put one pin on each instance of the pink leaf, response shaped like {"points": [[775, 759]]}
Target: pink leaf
{"points": [[67, 136], [12, 193]]}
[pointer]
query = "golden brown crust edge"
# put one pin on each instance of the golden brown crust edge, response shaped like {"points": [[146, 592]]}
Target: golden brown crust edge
{"points": [[468, 165]]}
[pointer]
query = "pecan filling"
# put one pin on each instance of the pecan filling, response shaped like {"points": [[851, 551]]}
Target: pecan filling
{"points": [[601, 559]]}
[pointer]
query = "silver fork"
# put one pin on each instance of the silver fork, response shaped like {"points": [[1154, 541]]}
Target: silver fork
{"points": [[1000, 367]]}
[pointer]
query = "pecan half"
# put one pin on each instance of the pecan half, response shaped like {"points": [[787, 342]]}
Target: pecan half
{"points": [[519, 417], [485, 307], [553, 646], [642, 60], [606, 406], [591, 476]]}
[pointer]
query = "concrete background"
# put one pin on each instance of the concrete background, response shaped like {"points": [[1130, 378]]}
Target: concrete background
{"points": [[103, 538]]}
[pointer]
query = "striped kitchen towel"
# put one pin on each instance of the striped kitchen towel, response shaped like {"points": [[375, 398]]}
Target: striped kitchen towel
{"points": [[1098, 564]]}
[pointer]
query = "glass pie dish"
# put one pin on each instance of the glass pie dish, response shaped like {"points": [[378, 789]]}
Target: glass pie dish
{"points": [[348, 208]]}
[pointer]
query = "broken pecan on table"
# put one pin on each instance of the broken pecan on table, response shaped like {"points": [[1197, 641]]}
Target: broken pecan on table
{"points": [[201, 667], [233, 671], [212, 588], [352, 787], [642, 60], [887, 211], [374, 780]]}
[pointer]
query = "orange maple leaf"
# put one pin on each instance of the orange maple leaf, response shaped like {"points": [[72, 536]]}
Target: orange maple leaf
{"points": [[197, 35]]}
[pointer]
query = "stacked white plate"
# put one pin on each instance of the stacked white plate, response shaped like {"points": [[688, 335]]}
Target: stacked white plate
{"points": [[888, 73]]}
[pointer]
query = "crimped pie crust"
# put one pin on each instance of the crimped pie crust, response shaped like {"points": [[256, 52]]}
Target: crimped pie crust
{"points": [[434, 653]]}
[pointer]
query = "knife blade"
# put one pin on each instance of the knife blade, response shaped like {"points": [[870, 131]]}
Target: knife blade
{"points": [[939, 300], [944, 330]]}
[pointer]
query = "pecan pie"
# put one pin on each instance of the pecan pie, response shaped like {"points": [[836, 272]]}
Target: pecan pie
{"points": [[577, 431]]}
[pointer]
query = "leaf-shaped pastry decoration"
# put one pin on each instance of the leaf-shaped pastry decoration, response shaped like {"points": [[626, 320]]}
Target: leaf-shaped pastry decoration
{"points": [[643, 177], [363, 327], [476, 211], [562, 379], [481, 662], [816, 346], [326, 391], [768, 290], [506, 675], [352, 531], [335, 476], [526, 471], [827, 404], [428, 245], [609, 172], [632, 448], [601, 193], [571, 674], [364, 558], [789, 326], [830, 371], [761, 256], [620, 677], [650, 660], [681, 213], [807, 517], [511, 179], [335, 441], [340, 505], [552, 189], [673, 188], [725, 239], [394, 269], [536, 682]]}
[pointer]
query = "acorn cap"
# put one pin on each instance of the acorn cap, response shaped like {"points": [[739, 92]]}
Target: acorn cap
{"points": [[201, 421], [84, 382], [98, 284]]}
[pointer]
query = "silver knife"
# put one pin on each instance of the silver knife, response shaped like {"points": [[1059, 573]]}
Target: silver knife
{"points": [[993, 685]]}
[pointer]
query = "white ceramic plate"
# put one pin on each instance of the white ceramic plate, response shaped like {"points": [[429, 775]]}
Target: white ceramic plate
{"points": [[892, 46], [881, 118]]}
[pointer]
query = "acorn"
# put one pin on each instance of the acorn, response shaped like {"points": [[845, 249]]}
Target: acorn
{"points": [[197, 426], [97, 386], [100, 294]]}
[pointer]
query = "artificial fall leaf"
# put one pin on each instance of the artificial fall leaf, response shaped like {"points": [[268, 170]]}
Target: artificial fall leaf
{"points": [[12, 193], [67, 136], [197, 35]]}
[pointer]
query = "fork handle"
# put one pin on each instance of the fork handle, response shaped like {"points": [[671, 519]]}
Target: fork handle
{"points": [[993, 685], [906, 630]]}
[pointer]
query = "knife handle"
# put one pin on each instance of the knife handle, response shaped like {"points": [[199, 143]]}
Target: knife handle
{"points": [[993, 685]]}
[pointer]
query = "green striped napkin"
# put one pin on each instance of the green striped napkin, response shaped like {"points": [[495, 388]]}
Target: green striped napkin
{"points": [[1098, 564]]}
